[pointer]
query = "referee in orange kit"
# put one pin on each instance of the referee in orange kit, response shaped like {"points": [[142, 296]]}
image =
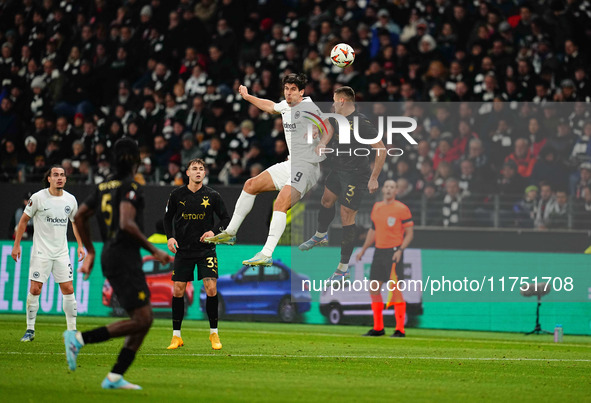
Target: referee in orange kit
{"points": [[392, 231]]}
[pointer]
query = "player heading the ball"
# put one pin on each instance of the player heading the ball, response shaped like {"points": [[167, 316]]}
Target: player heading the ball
{"points": [[294, 177]]}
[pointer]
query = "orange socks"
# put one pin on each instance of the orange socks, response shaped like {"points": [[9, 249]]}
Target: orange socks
{"points": [[377, 306], [399, 313], [378, 315]]}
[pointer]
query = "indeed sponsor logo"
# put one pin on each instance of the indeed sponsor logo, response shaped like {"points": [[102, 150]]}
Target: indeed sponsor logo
{"points": [[289, 126], [56, 220]]}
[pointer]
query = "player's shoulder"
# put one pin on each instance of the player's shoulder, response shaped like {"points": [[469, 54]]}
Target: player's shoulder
{"points": [[281, 106], [68, 194], [179, 190], [210, 191], [378, 204], [41, 194], [400, 206], [362, 117]]}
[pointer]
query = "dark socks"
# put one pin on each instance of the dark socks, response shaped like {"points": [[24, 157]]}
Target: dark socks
{"points": [[124, 360], [325, 217], [211, 306], [178, 312], [97, 335], [347, 243]]}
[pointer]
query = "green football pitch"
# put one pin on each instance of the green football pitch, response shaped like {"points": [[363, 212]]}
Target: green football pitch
{"points": [[283, 363]]}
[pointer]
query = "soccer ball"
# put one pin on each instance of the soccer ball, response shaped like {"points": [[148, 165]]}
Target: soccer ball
{"points": [[342, 55]]}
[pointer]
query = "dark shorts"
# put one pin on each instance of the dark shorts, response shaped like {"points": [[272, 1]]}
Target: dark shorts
{"points": [[127, 280], [382, 264], [184, 267], [123, 268], [349, 186]]}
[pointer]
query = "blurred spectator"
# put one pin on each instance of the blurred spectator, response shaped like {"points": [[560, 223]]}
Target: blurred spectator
{"points": [[526, 209], [582, 211], [256, 169], [189, 150], [215, 158], [8, 120], [9, 164], [523, 157], [173, 175], [452, 200], [550, 169], [510, 184], [103, 169], [584, 179], [432, 205], [557, 214], [28, 156], [16, 217], [545, 206], [162, 152]]}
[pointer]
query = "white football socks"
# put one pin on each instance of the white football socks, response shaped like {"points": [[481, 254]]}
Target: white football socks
{"points": [[32, 308], [70, 309], [176, 333], [278, 223], [243, 207], [212, 331], [320, 234], [342, 267]]}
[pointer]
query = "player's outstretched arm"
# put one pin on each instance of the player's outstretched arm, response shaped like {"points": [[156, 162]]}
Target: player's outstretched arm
{"points": [[369, 240], [127, 223], [265, 105], [81, 225], [20, 230]]}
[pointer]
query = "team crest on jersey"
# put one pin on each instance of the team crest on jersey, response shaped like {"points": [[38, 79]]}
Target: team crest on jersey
{"points": [[297, 115], [30, 202], [130, 195], [391, 221], [68, 209], [205, 201]]}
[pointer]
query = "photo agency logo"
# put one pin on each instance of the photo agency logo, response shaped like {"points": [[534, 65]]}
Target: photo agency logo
{"points": [[348, 133]]}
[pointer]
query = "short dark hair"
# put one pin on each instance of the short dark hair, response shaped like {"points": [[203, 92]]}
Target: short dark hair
{"points": [[196, 161], [346, 92], [48, 174], [300, 80]]}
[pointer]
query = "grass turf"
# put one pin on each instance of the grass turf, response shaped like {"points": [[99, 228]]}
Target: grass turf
{"points": [[278, 362]]}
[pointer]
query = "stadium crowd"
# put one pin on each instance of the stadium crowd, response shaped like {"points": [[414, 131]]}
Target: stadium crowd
{"points": [[500, 90]]}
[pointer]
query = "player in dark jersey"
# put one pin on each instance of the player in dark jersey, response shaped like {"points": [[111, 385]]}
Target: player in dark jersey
{"points": [[349, 180], [189, 218], [121, 203]]}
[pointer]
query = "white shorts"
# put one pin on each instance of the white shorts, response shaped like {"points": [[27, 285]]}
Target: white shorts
{"points": [[61, 268], [305, 175]]}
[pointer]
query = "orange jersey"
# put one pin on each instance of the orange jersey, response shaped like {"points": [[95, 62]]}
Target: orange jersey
{"points": [[389, 222]]}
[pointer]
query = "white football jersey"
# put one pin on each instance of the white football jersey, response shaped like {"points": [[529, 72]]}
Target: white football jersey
{"points": [[50, 220], [295, 126]]}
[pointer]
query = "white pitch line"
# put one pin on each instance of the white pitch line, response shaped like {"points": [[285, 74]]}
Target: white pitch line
{"points": [[356, 335], [367, 357]]}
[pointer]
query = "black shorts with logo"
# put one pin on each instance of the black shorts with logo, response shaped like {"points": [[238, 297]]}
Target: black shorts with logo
{"points": [[349, 186], [184, 266], [125, 275], [381, 266]]}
